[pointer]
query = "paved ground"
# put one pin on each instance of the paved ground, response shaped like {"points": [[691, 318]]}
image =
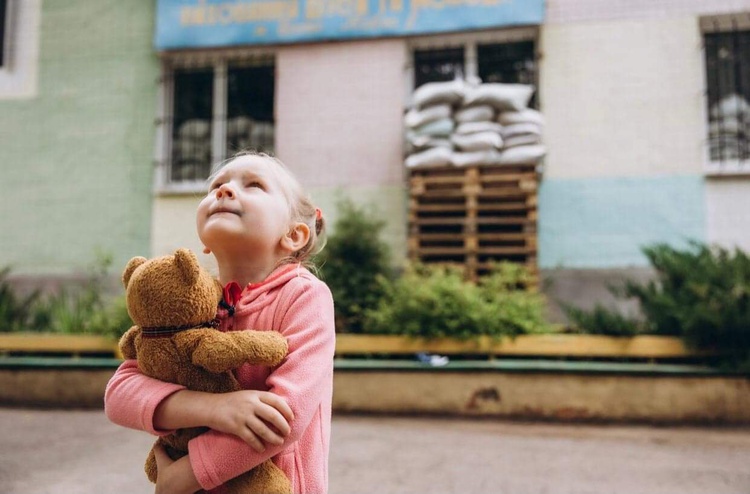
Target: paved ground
{"points": [[72, 452]]}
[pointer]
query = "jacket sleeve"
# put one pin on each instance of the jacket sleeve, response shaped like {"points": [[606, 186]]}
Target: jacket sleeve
{"points": [[131, 398], [308, 325]]}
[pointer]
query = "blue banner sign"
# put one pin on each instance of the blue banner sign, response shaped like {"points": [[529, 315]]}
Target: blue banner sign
{"points": [[214, 23]]}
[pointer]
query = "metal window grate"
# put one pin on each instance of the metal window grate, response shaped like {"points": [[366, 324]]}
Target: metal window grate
{"points": [[191, 124], [728, 98], [3, 22], [438, 65], [510, 63], [250, 96]]}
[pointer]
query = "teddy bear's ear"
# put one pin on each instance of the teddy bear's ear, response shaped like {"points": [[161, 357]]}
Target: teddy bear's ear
{"points": [[132, 264], [188, 265]]}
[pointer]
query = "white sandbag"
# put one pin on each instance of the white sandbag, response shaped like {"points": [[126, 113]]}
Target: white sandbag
{"points": [[423, 142], [521, 155], [480, 158], [239, 127], [478, 141], [194, 129], [528, 115], [191, 149], [439, 93], [522, 140], [479, 113], [520, 129], [439, 156], [503, 97], [732, 105], [474, 127], [443, 127], [416, 117], [728, 126]]}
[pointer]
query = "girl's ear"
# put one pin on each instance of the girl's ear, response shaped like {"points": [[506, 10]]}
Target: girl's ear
{"points": [[296, 238]]}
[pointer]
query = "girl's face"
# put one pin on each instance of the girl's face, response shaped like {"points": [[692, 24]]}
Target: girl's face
{"points": [[246, 208]]}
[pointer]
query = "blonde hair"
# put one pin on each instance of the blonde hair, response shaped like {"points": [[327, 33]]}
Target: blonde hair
{"points": [[301, 208]]}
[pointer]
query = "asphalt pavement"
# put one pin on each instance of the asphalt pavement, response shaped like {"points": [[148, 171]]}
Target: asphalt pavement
{"points": [[70, 452]]}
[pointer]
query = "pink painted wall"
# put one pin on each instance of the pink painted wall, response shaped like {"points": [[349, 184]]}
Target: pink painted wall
{"points": [[339, 112]]}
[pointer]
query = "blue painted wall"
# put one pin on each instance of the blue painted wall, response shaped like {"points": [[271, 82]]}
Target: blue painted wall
{"points": [[604, 222]]}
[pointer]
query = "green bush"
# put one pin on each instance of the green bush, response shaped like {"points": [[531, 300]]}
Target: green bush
{"points": [[16, 312], [603, 321], [71, 310], [354, 258], [436, 301], [700, 293]]}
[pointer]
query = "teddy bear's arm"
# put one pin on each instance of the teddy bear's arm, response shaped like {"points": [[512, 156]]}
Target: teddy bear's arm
{"points": [[220, 352], [127, 342]]}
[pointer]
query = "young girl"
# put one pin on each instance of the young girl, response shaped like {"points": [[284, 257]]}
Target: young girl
{"points": [[261, 228]]}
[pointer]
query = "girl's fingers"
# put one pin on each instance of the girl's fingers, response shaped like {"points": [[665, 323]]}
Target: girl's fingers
{"points": [[279, 404], [162, 459], [264, 432], [250, 438], [275, 419]]}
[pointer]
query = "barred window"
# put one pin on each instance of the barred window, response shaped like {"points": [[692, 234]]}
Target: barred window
{"points": [[217, 111], [510, 62], [4, 31], [438, 65], [728, 95]]}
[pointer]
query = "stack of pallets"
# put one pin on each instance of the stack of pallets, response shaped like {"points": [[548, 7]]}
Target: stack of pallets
{"points": [[474, 216]]}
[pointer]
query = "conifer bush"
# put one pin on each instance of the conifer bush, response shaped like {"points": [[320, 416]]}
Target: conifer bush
{"points": [[354, 258]]}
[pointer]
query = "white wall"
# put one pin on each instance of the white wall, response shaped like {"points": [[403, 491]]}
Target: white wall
{"points": [[623, 98], [339, 110]]}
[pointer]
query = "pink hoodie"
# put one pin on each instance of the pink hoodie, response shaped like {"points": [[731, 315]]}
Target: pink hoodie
{"points": [[298, 305]]}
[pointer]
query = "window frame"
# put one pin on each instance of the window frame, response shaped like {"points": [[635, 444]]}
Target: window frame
{"points": [[18, 74], [726, 23], [219, 61], [469, 42]]}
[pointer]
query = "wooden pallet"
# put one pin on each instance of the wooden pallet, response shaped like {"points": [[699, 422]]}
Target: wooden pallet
{"points": [[474, 216]]}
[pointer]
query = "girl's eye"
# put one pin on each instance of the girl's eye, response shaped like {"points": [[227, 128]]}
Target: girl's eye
{"points": [[255, 184]]}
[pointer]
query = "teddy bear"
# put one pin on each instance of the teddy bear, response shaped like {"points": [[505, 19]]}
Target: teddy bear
{"points": [[173, 303]]}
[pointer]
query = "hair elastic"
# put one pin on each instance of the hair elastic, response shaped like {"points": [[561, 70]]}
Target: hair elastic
{"points": [[318, 214]]}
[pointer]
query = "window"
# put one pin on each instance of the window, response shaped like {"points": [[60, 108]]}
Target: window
{"points": [[216, 111], [4, 31], [727, 57], [19, 48], [512, 61]]}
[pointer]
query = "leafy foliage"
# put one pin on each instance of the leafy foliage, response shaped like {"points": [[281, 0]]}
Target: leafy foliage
{"points": [[84, 309], [602, 320], [354, 259], [436, 301], [700, 293]]}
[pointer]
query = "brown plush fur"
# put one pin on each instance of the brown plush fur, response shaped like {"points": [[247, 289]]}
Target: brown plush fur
{"points": [[173, 291]]}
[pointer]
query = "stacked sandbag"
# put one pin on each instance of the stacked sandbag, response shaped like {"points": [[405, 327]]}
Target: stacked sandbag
{"points": [[729, 129], [429, 123], [191, 150], [244, 133], [491, 124]]}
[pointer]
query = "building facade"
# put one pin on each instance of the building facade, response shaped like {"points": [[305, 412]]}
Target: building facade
{"points": [[110, 145]]}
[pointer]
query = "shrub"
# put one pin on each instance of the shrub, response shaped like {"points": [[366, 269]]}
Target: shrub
{"points": [[354, 258], [603, 321], [16, 313], [84, 309], [436, 301], [700, 293]]}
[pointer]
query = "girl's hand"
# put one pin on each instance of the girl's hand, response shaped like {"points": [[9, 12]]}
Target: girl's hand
{"points": [[256, 417], [174, 477]]}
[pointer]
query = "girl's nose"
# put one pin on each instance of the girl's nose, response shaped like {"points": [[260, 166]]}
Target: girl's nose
{"points": [[225, 190]]}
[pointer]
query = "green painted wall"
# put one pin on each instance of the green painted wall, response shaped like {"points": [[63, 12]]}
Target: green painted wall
{"points": [[76, 161]]}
